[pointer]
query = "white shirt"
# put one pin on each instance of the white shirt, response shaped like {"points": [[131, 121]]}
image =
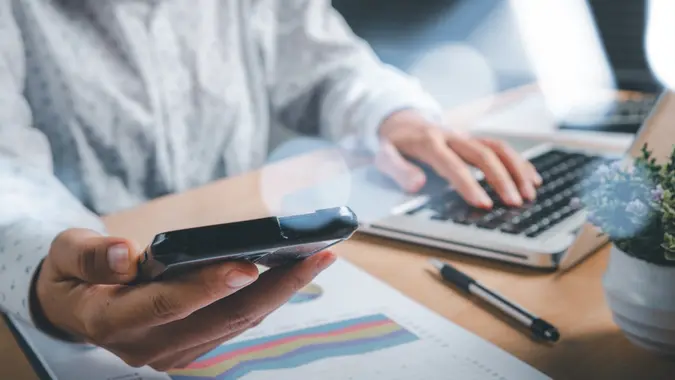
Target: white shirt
{"points": [[105, 104]]}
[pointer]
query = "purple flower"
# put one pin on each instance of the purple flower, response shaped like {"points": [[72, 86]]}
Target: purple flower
{"points": [[637, 208], [602, 170], [575, 203], [617, 166], [594, 219], [657, 194]]}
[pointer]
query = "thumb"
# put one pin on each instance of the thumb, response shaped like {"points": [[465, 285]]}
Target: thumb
{"points": [[390, 162], [88, 256]]}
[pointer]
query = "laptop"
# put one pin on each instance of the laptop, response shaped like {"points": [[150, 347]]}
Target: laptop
{"points": [[620, 26], [549, 233]]}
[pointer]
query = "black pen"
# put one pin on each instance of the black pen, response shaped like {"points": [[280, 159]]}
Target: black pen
{"points": [[539, 327]]}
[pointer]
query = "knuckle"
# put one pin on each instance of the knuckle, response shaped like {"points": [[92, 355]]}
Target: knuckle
{"points": [[297, 281], [86, 263], [211, 283], [499, 145], [502, 184], [257, 322], [162, 307], [430, 135], [242, 321], [486, 155]]}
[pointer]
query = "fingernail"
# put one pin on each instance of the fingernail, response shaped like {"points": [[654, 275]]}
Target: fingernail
{"points": [[537, 179], [529, 191], [416, 182], [326, 262], [238, 279], [514, 196], [118, 258], [484, 200]]}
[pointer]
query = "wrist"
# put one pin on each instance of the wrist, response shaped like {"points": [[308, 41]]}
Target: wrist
{"points": [[403, 121]]}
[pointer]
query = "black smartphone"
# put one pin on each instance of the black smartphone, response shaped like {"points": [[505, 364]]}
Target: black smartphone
{"points": [[269, 241]]}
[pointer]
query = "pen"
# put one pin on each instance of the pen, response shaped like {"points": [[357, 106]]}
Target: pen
{"points": [[539, 327]]}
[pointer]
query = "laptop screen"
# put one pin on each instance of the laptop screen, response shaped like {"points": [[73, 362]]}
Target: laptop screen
{"points": [[621, 26]]}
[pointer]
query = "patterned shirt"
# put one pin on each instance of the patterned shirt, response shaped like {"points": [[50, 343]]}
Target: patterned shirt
{"points": [[105, 104]]}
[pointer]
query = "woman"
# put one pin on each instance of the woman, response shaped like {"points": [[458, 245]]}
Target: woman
{"points": [[107, 104]]}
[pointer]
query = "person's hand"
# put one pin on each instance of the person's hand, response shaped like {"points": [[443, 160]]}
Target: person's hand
{"points": [[164, 324], [449, 153]]}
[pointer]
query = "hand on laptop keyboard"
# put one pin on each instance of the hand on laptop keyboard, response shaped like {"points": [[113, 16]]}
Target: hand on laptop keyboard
{"points": [[451, 154], [563, 173]]}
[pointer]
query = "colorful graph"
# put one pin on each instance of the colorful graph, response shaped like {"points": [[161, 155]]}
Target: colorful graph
{"points": [[296, 348], [306, 294]]}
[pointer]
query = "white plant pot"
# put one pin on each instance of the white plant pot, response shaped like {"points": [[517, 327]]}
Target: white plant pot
{"points": [[642, 299]]}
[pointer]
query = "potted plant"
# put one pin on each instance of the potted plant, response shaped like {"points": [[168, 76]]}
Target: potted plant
{"points": [[633, 203]]}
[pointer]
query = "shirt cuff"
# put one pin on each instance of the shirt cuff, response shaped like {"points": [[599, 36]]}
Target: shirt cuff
{"points": [[382, 107], [28, 244]]}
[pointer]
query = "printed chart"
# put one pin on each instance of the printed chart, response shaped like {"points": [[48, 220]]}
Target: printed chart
{"points": [[296, 348], [333, 329]]}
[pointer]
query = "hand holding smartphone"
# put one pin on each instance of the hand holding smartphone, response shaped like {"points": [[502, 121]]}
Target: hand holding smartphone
{"points": [[271, 241]]}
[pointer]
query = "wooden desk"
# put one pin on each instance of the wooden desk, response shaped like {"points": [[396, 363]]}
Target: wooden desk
{"points": [[592, 347]]}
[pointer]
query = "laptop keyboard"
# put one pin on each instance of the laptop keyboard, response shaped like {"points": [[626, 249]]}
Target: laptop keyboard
{"points": [[628, 111], [563, 174], [623, 116]]}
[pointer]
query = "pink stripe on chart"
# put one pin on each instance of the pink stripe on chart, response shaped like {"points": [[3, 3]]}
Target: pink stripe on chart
{"points": [[243, 351]]}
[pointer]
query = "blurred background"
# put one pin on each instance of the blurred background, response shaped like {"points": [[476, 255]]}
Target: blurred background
{"points": [[462, 50]]}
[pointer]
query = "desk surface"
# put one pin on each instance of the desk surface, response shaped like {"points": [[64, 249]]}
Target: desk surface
{"points": [[592, 347]]}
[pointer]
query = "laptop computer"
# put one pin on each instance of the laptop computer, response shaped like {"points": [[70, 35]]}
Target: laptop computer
{"points": [[620, 26], [540, 234]]}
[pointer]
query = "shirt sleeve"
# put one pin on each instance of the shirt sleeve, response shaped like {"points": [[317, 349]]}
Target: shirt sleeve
{"points": [[324, 79], [34, 206]]}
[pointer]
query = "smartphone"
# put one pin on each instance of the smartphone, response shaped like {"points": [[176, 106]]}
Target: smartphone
{"points": [[271, 242]]}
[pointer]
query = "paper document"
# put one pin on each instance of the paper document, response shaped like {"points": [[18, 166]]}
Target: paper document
{"points": [[345, 325]]}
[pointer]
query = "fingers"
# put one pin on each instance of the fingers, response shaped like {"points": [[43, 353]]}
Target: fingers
{"points": [[166, 301], [484, 158], [87, 256], [451, 167], [523, 172], [245, 308], [390, 162]]}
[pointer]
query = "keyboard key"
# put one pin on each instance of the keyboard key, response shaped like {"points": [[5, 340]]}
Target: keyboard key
{"points": [[461, 221], [558, 197], [562, 172], [556, 217], [489, 224], [501, 215], [441, 217], [492, 220], [467, 215], [532, 231], [475, 215], [511, 229]]}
